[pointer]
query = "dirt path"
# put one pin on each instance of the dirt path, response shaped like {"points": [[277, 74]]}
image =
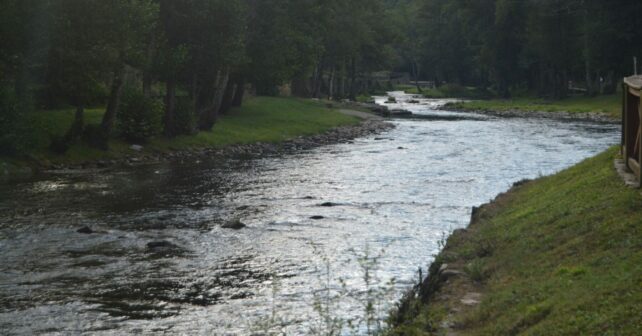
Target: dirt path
{"points": [[361, 115]]}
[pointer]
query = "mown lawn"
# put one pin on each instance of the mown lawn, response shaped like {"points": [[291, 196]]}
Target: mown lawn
{"points": [[260, 119], [562, 256], [610, 105]]}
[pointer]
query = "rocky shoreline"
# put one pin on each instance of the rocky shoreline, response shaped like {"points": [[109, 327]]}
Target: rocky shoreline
{"points": [[568, 116], [336, 135]]}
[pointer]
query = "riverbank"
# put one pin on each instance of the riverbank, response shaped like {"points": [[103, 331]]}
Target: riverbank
{"points": [[598, 109], [561, 255], [262, 125]]}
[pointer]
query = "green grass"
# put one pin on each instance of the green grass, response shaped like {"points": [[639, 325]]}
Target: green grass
{"points": [[261, 119], [566, 258], [610, 104]]}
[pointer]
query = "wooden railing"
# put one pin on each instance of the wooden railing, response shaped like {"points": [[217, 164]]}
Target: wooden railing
{"points": [[632, 125]]}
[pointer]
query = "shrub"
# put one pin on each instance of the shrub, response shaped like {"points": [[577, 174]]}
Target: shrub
{"points": [[13, 123], [140, 117], [96, 137], [476, 270], [184, 117]]}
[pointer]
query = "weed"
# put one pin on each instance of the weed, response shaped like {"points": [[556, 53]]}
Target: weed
{"points": [[476, 270]]}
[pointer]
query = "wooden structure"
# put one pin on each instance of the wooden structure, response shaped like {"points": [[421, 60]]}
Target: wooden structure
{"points": [[632, 126]]}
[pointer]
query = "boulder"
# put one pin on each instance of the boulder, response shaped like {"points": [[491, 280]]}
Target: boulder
{"points": [[85, 230], [235, 224]]}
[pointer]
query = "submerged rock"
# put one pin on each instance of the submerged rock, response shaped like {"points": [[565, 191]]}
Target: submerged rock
{"points": [[400, 113], [234, 225], [161, 245], [85, 230], [328, 204], [317, 217]]}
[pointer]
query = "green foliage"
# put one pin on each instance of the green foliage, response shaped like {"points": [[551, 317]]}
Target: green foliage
{"points": [[14, 128], [185, 117], [508, 45], [140, 117]]}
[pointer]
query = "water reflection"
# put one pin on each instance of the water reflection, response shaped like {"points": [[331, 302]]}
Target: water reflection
{"points": [[398, 192]]}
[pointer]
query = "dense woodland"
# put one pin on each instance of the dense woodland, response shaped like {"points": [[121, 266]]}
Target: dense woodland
{"points": [[517, 45], [173, 67]]}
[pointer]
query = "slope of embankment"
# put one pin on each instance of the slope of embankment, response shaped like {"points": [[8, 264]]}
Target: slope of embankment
{"points": [[561, 255]]}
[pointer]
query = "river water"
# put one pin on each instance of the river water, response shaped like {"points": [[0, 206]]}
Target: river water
{"points": [[396, 196]]}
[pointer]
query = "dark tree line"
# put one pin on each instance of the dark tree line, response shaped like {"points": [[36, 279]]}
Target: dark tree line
{"points": [[536, 45], [198, 57]]}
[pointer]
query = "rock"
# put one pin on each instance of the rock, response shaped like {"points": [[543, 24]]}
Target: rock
{"points": [[413, 101], [400, 113], [234, 225], [391, 100], [401, 147], [137, 148], [243, 207], [449, 273], [85, 230], [160, 245], [471, 299], [317, 217], [328, 204]]}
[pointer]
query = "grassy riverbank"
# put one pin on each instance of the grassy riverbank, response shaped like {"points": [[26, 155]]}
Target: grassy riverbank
{"points": [[610, 105], [261, 119], [607, 104], [558, 256]]}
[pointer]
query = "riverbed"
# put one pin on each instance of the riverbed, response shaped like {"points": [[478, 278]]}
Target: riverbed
{"points": [[328, 229]]}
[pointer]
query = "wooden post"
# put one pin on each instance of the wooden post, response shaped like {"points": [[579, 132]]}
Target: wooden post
{"points": [[639, 138], [622, 147]]}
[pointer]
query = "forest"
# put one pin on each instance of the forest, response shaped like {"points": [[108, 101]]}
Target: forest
{"points": [[171, 67]]}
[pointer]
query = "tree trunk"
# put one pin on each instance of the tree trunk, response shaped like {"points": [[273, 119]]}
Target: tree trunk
{"points": [[590, 89], [414, 67], [228, 97], [114, 101], [237, 101], [331, 85], [170, 107], [77, 127], [147, 83], [209, 114]]}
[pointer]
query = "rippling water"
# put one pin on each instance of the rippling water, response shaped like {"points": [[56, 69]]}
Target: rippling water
{"points": [[395, 196]]}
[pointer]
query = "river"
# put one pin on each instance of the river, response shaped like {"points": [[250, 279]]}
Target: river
{"points": [[395, 197]]}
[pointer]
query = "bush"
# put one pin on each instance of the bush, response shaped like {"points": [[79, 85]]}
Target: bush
{"points": [[95, 136], [140, 117], [14, 126], [184, 117]]}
